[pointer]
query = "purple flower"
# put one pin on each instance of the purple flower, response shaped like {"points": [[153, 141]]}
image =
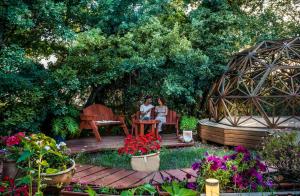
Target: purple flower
{"points": [[192, 185], [206, 154], [188, 176], [234, 168], [196, 165], [269, 183], [253, 186], [226, 157], [216, 162], [247, 156], [223, 167], [241, 149], [255, 174], [238, 180], [233, 156], [259, 177], [262, 167]]}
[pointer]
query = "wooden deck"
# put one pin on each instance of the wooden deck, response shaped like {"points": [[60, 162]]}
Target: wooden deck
{"points": [[114, 142], [231, 136], [122, 179]]}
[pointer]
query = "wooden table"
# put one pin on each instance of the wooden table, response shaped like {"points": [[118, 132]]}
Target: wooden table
{"points": [[140, 126]]}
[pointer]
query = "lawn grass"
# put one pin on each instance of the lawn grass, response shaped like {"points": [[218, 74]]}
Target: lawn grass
{"points": [[169, 158]]}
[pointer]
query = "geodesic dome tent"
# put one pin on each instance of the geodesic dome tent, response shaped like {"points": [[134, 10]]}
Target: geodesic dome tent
{"points": [[261, 87]]}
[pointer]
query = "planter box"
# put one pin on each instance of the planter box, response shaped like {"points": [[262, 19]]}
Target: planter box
{"points": [[146, 163], [70, 193], [277, 193]]}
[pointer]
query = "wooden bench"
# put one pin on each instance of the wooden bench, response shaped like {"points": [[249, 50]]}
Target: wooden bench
{"points": [[172, 119], [98, 115]]}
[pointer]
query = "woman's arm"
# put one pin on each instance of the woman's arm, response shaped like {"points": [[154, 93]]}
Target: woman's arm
{"points": [[166, 111]]}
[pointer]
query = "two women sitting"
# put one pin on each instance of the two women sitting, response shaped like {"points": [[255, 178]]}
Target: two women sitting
{"points": [[161, 111]]}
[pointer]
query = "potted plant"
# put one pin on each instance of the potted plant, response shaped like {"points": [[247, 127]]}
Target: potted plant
{"points": [[44, 162], [144, 152], [188, 124], [9, 154]]}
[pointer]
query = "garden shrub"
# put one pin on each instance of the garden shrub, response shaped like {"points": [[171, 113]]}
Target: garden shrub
{"points": [[240, 171], [282, 151]]}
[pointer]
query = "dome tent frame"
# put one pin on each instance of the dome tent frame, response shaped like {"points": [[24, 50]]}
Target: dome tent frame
{"points": [[261, 87]]}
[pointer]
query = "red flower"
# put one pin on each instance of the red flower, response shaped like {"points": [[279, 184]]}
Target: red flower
{"points": [[20, 134], [139, 145], [13, 140], [6, 178], [2, 189]]}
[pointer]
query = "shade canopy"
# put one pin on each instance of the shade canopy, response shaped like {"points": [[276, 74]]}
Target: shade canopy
{"points": [[261, 87]]}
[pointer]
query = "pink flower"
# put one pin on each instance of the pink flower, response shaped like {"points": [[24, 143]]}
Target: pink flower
{"points": [[262, 167], [216, 162], [241, 149], [13, 140], [238, 180], [20, 134]]}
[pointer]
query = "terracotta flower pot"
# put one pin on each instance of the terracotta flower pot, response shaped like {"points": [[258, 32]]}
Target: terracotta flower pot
{"points": [[60, 178], [146, 163], [10, 169]]}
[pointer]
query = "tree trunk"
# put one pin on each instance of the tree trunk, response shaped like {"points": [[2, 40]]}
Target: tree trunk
{"points": [[92, 96]]}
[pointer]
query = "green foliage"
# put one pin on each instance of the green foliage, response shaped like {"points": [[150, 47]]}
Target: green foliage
{"points": [[140, 190], [175, 189], [169, 158], [282, 150], [188, 123], [91, 192], [115, 52], [65, 126]]}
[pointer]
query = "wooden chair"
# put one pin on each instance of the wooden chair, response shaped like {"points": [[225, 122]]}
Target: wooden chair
{"points": [[98, 115], [172, 119]]}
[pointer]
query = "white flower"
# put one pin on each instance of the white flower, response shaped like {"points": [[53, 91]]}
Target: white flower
{"points": [[38, 142], [57, 146], [47, 147], [62, 144]]}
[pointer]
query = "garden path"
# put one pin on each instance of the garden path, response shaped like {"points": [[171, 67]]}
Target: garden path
{"points": [[121, 179]]}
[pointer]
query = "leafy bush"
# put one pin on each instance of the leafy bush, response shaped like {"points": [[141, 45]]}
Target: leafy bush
{"points": [[175, 188], [188, 123], [65, 126], [240, 171], [282, 151]]}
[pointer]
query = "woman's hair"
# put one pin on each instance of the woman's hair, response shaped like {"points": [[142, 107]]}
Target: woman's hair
{"points": [[162, 100]]}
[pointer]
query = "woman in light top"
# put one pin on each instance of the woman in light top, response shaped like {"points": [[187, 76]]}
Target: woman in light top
{"points": [[161, 113]]}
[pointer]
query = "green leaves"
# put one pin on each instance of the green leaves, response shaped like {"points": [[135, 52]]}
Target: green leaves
{"points": [[26, 154], [91, 192], [175, 189], [188, 123]]}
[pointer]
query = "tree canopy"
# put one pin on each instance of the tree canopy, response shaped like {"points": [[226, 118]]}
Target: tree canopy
{"points": [[117, 51]]}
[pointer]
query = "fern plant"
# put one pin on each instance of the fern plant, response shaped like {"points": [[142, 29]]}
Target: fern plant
{"points": [[65, 126]]}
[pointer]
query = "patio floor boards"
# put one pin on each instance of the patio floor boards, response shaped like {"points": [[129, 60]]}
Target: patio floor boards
{"points": [[90, 144], [122, 179]]}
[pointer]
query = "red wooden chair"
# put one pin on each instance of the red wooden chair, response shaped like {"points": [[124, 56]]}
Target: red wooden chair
{"points": [[98, 115], [173, 120]]}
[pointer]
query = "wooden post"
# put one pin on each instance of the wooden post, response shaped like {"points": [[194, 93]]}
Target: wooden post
{"points": [[212, 187]]}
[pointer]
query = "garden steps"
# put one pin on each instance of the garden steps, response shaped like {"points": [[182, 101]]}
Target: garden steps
{"points": [[123, 179]]}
